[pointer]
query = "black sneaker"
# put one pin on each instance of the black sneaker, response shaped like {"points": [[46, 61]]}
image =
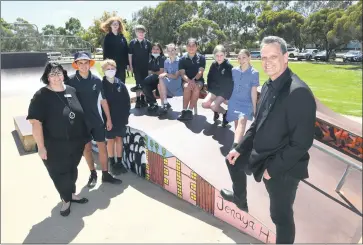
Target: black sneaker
{"points": [[143, 103], [153, 108], [165, 109], [108, 178], [225, 122], [188, 115], [92, 181], [118, 168], [216, 116], [136, 88], [182, 115]]}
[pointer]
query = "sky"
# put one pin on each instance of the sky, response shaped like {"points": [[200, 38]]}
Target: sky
{"points": [[57, 13]]}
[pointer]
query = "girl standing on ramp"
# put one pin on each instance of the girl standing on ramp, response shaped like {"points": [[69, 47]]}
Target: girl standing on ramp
{"points": [[242, 105]]}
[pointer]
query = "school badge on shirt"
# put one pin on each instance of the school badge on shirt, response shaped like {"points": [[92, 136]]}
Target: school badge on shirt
{"points": [[223, 71], [94, 87]]}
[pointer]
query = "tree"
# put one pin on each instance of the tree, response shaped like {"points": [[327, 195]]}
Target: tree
{"points": [[286, 24], [73, 27], [146, 17], [308, 7], [203, 30], [348, 27], [317, 27]]}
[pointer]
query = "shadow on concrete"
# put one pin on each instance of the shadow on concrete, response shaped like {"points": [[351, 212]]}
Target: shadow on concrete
{"points": [[63, 230], [223, 136], [19, 145], [161, 195]]}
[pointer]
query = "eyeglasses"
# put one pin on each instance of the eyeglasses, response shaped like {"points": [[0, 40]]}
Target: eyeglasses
{"points": [[53, 74]]}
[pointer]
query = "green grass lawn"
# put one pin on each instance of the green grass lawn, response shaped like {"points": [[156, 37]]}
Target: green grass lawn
{"points": [[337, 86]]}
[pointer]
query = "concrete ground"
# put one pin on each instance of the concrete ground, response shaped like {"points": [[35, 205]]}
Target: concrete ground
{"points": [[136, 211]]}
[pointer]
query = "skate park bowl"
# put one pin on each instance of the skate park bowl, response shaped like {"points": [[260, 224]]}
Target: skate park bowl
{"points": [[187, 159]]}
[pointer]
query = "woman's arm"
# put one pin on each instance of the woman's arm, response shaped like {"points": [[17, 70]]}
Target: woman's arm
{"points": [[37, 130]]}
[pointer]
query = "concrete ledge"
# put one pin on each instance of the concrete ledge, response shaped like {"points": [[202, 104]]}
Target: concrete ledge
{"points": [[24, 131], [12, 60]]}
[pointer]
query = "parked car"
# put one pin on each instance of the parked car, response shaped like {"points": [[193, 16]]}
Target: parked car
{"points": [[322, 56], [54, 56], [353, 56], [255, 54], [99, 51], [307, 54], [293, 52]]}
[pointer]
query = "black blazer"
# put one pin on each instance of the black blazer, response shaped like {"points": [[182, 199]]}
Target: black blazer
{"points": [[280, 141]]}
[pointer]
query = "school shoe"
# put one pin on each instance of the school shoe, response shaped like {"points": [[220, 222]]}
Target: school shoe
{"points": [[92, 180], [118, 168], [188, 115], [136, 88], [181, 117], [138, 103], [153, 108], [143, 101], [216, 116], [165, 109], [229, 196], [224, 122], [108, 178]]}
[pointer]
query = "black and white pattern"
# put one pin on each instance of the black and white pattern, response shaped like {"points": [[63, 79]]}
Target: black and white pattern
{"points": [[134, 156]]}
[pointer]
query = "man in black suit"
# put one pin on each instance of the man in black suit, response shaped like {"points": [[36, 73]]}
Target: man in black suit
{"points": [[276, 145]]}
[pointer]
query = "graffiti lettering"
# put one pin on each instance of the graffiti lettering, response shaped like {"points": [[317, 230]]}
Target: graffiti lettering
{"points": [[266, 234], [235, 214]]}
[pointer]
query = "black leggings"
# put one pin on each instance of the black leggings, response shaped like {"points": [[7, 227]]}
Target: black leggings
{"points": [[62, 162]]}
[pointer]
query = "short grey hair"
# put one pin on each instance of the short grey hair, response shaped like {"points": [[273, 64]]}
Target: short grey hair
{"points": [[275, 39], [219, 48]]}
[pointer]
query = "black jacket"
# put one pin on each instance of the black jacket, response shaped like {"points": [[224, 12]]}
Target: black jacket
{"points": [[115, 47], [118, 100], [280, 141]]}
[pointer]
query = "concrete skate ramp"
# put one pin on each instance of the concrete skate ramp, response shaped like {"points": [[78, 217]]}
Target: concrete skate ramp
{"points": [[187, 159], [12, 60]]}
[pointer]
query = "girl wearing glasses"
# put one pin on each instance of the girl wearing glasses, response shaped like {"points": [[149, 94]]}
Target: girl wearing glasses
{"points": [[118, 100], [60, 132]]}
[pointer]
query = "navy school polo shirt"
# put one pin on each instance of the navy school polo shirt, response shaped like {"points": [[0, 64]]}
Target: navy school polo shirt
{"points": [[192, 65], [156, 64], [140, 52], [90, 93]]}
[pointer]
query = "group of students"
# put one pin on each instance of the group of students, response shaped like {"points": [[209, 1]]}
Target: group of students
{"points": [[69, 112], [158, 75]]}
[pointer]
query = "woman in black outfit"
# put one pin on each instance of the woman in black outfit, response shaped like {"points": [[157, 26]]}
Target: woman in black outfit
{"points": [[115, 45], [60, 132]]}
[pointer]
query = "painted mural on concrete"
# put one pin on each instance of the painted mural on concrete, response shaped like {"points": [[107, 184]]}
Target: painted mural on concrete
{"points": [[145, 157]]}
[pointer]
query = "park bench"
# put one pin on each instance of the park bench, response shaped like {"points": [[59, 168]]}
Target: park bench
{"points": [[24, 131]]}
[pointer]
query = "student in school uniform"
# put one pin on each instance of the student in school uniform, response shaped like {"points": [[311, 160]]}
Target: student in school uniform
{"points": [[242, 104], [118, 100], [90, 93], [156, 67], [139, 55], [191, 68], [115, 45], [220, 84], [60, 132], [170, 83]]}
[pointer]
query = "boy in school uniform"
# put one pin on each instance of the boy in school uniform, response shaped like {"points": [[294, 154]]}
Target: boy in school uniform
{"points": [[139, 55], [191, 68]]}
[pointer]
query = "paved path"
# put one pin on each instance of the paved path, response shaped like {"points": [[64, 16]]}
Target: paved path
{"points": [[138, 211]]}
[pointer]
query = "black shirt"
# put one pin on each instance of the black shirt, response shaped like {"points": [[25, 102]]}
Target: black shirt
{"points": [[156, 63], [192, 65], [140, 53], [283, 132], [52, 110], [118, 100], [115, 47], [90, 93], [219, 79]]}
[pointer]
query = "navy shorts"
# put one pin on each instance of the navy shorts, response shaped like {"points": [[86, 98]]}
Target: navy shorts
{"points": [[116, 131], [97, 134]]}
